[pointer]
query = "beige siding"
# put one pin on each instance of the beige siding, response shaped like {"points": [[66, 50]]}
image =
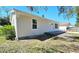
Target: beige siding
{"points": [[24, 25]]}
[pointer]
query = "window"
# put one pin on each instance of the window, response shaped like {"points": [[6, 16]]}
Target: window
{"points": [[34, 24], [56, 25]]}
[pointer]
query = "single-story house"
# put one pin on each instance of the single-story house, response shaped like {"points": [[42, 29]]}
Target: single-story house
{"points": [[64, 26], [27, 24]]}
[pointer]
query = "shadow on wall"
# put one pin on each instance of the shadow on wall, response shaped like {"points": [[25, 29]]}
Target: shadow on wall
{"points": [[44, 36]]}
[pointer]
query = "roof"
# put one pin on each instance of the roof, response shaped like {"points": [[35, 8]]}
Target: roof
{"points": [[64, 24], [22, 12]]}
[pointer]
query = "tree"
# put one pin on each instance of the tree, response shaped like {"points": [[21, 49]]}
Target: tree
{"points": [[77, 11], [69, 11], [37, 9], [4, 20]]}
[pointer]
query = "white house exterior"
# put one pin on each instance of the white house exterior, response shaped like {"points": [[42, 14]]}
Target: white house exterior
{"points": [[64, 26], [27, 24]]}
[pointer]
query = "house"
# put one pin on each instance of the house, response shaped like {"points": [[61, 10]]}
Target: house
{"points": [[64, 26], [28, 25]]}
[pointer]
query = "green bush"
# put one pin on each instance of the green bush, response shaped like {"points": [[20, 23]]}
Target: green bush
{"points": [[9, 32], [1, 31]]}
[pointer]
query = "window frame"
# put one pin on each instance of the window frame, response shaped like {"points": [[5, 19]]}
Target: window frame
{"points": [[56, 25], [34, 24]]}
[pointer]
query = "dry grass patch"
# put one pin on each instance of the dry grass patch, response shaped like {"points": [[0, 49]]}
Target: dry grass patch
{"points": [[36, 46]]}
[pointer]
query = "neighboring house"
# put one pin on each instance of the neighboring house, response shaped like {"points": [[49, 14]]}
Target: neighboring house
{"points": [[64, 26], [27, 24]]}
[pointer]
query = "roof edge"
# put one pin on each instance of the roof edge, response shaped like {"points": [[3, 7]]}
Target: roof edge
{"points": [[32, 14]]}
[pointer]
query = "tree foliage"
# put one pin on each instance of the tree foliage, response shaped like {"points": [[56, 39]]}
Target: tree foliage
{"points": [[69, 12], [37, 9], [4, 21]]}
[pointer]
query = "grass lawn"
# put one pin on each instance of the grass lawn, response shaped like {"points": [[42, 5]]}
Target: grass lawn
{"points": [[74, 33], [2, 39], [36, 46]]}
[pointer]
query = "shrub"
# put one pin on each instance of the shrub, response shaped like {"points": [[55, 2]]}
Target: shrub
{"points": [[9, 32], [1, 32]]}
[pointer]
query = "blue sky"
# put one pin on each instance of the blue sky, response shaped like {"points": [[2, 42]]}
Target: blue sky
{"points": [[52, 13]]}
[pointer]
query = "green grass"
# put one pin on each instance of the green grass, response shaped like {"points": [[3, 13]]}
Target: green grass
{"points": [[58, 45], [2, 39]]}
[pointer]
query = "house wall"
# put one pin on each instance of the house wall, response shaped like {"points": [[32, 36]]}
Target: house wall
{"points": [[64, 28], [24, 25]]}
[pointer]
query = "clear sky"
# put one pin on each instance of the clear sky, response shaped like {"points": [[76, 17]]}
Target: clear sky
{"points": [[52, 13]]}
